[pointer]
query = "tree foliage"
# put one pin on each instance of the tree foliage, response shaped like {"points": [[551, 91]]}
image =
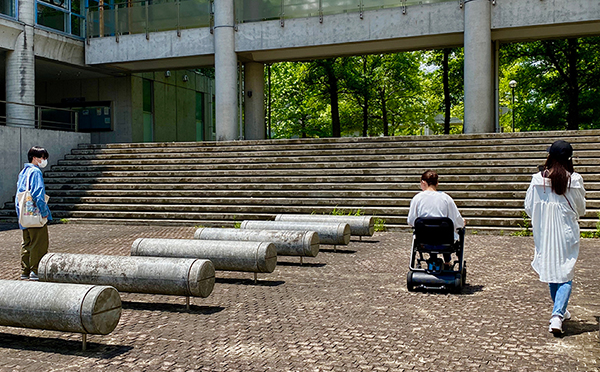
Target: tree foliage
{"points": [[558, 83], [403, 93]]}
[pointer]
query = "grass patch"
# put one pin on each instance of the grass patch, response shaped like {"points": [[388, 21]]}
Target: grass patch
{"points": [[525, 227], [593, 234], [379, 224]]}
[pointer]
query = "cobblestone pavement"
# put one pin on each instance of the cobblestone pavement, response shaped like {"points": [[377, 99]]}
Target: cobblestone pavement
{"points": [[341, 311]]}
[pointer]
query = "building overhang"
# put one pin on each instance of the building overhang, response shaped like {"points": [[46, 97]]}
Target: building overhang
{"points": [[425, 26]]}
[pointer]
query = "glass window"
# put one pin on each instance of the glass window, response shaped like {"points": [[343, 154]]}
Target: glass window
{"points": [[59, 3], [51, 17], [147, 95], [7, 7], [77, 25], [78, 7], [62, 15]]}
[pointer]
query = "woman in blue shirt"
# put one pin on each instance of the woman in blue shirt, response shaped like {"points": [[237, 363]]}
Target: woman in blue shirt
{"points": [[35, 239]]}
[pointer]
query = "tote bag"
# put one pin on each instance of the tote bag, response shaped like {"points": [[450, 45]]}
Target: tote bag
{"points": [[29, 213]]}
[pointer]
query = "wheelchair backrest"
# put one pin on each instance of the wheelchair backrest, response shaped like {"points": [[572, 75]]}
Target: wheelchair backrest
{"points": [[434, 230]]}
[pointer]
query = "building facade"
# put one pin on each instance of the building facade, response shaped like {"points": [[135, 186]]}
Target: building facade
{"points": [[48, 85]]}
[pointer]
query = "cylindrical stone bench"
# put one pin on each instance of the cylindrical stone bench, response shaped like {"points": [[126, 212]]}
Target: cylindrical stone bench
{"points": [[359, 225], [256, 257], [332, 233], [85, 309], [154, 275], [286, 242]]}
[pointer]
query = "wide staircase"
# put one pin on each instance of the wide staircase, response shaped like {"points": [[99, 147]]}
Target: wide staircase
{"points": [[218, 184]]}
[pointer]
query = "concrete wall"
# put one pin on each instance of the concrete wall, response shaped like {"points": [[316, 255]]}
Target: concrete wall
{"points": [[115, 89], [14, 144], [60, 48], [174, 105], [49, 45]]}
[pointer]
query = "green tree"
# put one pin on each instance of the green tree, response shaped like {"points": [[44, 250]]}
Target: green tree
{"points": [[324, 77], [297, 108], [386, 88], [558, 83], [446, 82]]}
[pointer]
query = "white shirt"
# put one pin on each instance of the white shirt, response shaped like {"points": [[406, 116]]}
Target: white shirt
{"points": [[434, 204], [555, 227]]}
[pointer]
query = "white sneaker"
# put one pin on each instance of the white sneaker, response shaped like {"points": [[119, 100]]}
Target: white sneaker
{"points": [[555, 325], [567, 316]]}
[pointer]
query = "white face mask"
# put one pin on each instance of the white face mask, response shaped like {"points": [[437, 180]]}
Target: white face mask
{"points": [[43, 163]]}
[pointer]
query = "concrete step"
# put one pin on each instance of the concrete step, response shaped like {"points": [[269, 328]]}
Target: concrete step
{"points": [[215, 184], [293, 170], [167, 190], [389, 187], [409, 141], [583, 150], [418, 165], [390, 210], [198, 176], [303, 156], [343, 203], [226, 219], [191, 177]]}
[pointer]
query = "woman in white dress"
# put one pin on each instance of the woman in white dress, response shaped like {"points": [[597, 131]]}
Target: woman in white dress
{"points": [[555, 200]]}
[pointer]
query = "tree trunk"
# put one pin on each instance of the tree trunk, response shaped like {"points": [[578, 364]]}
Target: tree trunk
{"points": [[384, 112], [445, 70], [332, 81], [366, 118], [366, 100], [303, 127], [573, 83]]}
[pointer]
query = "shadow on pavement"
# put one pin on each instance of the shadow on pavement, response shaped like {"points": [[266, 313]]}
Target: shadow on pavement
{"points": [[577, 327], [8, 226], [337, 250], [471, 289], [466, 290], [60, 346], [173, 308], [307, 264], [364, 241], [266, 283]]}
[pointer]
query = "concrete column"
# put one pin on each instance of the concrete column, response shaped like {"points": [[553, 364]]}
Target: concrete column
{"points": [[332, 233], [62, 307], [254, 101], [226, 100], [20, 71], [359, 225], [479, 72]]}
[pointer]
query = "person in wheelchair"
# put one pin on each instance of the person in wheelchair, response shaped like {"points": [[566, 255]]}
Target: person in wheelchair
{"points": [[433, 203]]}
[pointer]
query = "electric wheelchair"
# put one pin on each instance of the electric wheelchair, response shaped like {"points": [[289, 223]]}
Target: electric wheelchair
{"points": [[434, 236]]}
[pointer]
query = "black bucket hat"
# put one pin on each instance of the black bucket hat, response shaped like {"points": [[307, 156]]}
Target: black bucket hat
{"points": [[561, 150]]}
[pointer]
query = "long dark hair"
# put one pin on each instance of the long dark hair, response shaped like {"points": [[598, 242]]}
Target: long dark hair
{"points": [[559, 171]]}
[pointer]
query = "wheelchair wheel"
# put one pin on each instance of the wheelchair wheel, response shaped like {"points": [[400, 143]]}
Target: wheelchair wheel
{"points": [[409, 282], [464, 275], [458, 283]]}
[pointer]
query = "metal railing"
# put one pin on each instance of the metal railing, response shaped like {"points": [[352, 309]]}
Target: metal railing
{"points": [[138, 17], [261, 10], [37, 116]]}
